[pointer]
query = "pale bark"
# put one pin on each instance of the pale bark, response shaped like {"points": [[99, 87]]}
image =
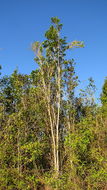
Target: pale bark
{"points": [[47, 98], [58, 112], [51, 110]]}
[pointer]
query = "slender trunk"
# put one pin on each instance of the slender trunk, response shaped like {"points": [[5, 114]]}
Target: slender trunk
{"points": [[53, 119], [58, 113], [53, 139], [47, 97]]}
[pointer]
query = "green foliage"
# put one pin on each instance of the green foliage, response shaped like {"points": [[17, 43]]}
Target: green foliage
{"points": [[26, 146], [104, 93]]}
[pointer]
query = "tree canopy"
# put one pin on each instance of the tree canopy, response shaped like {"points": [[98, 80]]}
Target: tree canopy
{"points": [[50, 137]]}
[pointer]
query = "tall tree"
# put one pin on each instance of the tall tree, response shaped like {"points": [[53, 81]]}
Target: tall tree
{"points": [[57, 79]]}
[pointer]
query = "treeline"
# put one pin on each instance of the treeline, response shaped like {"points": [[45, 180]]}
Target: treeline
{"points": [[49, 137]]}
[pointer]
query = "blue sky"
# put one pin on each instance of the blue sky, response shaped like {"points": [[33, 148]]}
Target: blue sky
{"points": [[25, 21]]}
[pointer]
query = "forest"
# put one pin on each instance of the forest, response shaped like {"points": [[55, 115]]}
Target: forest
{"points": [[52, 138]]}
